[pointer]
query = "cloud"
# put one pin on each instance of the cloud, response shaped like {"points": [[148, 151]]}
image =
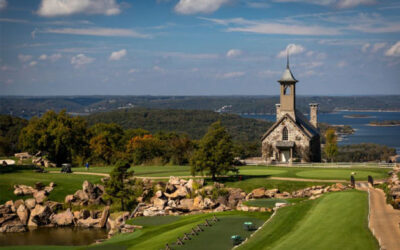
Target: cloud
{"points": [[53, 57], [190, 56], [335, 3], [394, 50], [80, 60], [233, 53], [53, 8], [341, 64], [43, 57], [98, 32], [159, 69], [293, 49], [24, 58], [269, 73], [3, 4], [117, 55], [33, 63], [228, 75], [265, 27], [188, 7], [257, 5], [365, 47], [378, 46], [131, 71]]}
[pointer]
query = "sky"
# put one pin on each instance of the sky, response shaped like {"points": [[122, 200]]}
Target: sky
{"points": [[198, 47]]}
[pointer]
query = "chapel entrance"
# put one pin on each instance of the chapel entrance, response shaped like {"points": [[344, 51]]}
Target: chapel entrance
{"points": [[285, 156]]}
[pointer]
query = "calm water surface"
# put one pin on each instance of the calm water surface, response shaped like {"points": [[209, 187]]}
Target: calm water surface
{"points": [[389, 136], [59, 236]]}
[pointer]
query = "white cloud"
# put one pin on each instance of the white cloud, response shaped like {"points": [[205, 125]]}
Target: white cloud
{"points": [[293, 49], [98, 32], [190, 56], [235, 74], [43, 57], [80, 60], [55, 57], [378, 46], [159, 69], [52, 8], [257, 5], [33, 63], [24, 58], [117, 55], [394, 50], [233, 53], [265, 27], [131, 71], [311, 65], [336, 3], [365, 47], [269, 73], [341, 64], [199, 6], [3, 4]]}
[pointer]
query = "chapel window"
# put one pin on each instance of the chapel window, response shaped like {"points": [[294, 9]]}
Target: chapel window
{"points": [[285, 134]]}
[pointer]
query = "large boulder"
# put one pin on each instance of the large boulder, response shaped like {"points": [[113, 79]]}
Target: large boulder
{"points": [[174, 180], [40, 215], [198, 203], [81, 195], [30, 203], [104, 217], [236, 195], [159, 203], [65, 218], [7, 217], [69, 199], [89, 222], [270, 193], [258, 193], [186, 204], [181, 192], [12, 226], [40, 196], [22, 190], [23, 214], [4, 210], [88, 188], [18, 203]]}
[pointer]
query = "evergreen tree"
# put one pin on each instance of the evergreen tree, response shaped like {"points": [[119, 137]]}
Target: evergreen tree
{"points": [[331, 148], [214, 154], [118, 185]]}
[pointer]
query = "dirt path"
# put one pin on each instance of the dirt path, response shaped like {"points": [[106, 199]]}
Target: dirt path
{"points": [[83, 173], [384, 221]]}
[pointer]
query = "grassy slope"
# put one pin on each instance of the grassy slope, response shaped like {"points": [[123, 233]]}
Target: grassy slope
{"points": [[155, 237], [266, 171], [66, 184], [336, 219]]}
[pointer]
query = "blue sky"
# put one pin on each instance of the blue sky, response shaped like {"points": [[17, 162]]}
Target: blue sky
{"points": [[198, 47]]}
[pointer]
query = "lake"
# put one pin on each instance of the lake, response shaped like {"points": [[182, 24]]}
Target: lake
{"points": [[389, 136], [58, 236]]}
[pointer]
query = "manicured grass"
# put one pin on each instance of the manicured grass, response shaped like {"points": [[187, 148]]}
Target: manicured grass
{"points": [[335, 221], [215, 237], [270, 203], [153, 221], [66, 183], [250, 184], [266, 171]]}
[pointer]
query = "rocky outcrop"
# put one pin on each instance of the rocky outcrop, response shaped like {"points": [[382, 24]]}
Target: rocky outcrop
{"points": [[24, 190], [89, 195], [40, 216], [65, 218], [393, 184], [23, 214]]}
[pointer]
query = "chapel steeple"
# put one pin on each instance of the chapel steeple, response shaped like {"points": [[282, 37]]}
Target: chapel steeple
{"points": [[288, 91]]}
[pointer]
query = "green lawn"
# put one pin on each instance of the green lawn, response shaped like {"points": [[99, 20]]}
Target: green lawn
{"points": [[215, 237], [270, 203], [335, 221], [266, 171], [66, 183]]}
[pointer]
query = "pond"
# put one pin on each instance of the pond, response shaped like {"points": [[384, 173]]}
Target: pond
{"points": [[58, 236]]}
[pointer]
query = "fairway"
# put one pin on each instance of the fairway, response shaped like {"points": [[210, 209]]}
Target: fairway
{"points": [[336, 219], [343, 174], [66, 183]]}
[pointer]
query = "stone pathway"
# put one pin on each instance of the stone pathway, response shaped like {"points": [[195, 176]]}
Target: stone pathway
{"points": [[384, 221]]}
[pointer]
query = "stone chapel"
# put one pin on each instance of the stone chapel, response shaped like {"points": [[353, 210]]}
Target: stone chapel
{"points": [[292, 138]]}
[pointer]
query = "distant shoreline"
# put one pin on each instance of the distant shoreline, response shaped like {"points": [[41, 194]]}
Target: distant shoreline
{"points": [[366, 110]]}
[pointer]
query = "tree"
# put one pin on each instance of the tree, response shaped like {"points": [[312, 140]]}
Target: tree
{"points": [[144, 148], [116, 186], [331, 148], [214, 153], [106, 141], [60, 136]]}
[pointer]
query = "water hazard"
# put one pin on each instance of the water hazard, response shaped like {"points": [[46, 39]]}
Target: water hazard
{"points": [[58, 236]]}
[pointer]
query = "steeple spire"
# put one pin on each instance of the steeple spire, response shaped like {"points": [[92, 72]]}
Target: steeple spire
{"points": [[287, 59]]}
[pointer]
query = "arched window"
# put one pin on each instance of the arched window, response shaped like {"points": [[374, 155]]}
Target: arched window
{"points": [[285, 134]]}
